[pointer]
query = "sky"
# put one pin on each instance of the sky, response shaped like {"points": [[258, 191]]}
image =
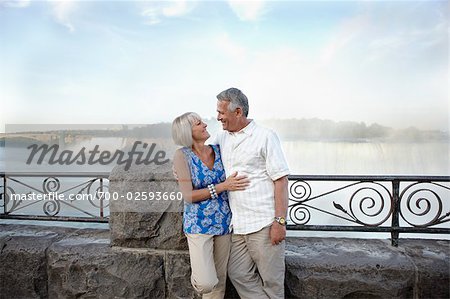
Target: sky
{"points": [[139, 62]]}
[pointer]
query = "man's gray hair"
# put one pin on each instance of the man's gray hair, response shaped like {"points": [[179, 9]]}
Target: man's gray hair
{"points": [[236, 98]]}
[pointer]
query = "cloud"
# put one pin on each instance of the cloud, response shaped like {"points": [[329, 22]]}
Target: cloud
{"points": [[381, 38], [177, 8], [230, 48], [348, 31], [15, 3], [286, 82], [62, 11], [155, 12], [250, 10], [152, 15]]}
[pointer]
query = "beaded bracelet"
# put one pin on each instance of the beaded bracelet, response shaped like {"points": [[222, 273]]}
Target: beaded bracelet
{"points": [[212, 191]]}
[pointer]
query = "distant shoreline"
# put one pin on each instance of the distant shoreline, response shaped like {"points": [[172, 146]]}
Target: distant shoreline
{"points": [[314, 130]]}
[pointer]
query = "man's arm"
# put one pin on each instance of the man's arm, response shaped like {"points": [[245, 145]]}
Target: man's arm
{"points": [[278, 231]]}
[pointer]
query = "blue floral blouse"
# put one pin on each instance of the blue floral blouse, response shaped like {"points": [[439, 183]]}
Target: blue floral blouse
{"points": [[210, 216]]}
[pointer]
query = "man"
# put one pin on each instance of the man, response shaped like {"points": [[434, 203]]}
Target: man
{"points": [[256, 265]]}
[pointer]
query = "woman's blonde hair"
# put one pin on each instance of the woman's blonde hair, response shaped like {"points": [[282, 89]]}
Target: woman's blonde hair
{"points": [[182, 128]]}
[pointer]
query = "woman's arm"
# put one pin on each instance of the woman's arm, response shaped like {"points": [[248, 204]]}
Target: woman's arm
{"points": [[232, 183]]}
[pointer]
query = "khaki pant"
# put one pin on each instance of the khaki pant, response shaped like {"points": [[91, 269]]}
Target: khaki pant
{"points": [[209, 258], [256, 267]]}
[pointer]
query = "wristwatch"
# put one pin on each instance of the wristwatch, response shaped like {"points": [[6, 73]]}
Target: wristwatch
{"points": [[281, 220]]}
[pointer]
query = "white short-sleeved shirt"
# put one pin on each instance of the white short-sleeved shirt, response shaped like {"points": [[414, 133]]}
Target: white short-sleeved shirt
{"points": [[256, 152]]}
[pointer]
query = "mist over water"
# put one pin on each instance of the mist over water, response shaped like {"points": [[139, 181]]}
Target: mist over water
{"points": [[365, 158], [368, 158], [304, 158]]}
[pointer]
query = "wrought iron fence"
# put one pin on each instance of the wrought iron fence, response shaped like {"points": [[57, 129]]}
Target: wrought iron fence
{"points": [[54, 196], [393, 204]]}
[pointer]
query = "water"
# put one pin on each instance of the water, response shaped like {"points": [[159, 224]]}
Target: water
{"points": [[304, 157], [368, 158]]}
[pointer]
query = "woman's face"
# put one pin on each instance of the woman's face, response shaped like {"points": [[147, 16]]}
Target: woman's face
{"points": [[199, 132]]}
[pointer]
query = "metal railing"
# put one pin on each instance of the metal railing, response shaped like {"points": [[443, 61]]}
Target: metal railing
{"points": [[389, 204], [54, 196], [393, 204]]}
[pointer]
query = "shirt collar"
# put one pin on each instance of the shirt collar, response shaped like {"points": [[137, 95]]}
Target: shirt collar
{"points": [[247, 130]]}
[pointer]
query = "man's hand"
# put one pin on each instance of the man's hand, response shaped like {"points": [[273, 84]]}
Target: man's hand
{"points": [[277, 233]]}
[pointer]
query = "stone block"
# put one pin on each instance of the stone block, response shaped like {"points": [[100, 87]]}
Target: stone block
{"points": [[23, 262], [154, 222], [432, 261], [80, 267], [347, 268], [178, 275], [147, 230]]}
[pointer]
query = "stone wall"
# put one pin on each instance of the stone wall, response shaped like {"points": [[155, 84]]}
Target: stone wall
{"points": [[144, 255], [51, 262]]}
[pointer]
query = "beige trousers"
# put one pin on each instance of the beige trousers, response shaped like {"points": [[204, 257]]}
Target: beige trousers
{"points": [[209, 259], [256, 267]]}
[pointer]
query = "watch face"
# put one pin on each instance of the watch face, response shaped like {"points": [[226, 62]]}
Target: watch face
{"points": [[280, 220]]}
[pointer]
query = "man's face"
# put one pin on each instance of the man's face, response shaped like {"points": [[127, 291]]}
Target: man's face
{"points": [[228, 119]]}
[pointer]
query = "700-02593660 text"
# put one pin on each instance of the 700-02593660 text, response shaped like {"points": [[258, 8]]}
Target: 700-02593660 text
{"points": [[150, 195]]}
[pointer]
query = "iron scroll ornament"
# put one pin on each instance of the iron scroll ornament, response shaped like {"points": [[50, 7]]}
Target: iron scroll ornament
{"points": [[419, 201], [377, 206], [301, 191]]}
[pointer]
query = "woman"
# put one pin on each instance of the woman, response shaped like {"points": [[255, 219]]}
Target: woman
{"points": [[207, 215]]}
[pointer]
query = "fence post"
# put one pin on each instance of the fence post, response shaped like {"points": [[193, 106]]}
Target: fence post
{"points": [[101, 198], [5, 195], [395, 212]]}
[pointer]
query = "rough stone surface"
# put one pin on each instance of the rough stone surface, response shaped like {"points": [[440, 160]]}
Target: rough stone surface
{"points": [[44, 262], [145, 197], [147, 230], [23, 262], [23, 258], [178, 275], [432, 263], [143, 173], [146, 223], [351, 268], [80, 267]]}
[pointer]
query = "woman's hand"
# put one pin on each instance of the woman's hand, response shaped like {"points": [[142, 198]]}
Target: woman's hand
{"points": [[235, 182]]}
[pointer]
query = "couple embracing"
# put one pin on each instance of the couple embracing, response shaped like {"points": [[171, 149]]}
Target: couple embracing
{"points": [[234, 225]]}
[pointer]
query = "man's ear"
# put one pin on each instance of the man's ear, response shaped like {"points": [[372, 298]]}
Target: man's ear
{"points": [[238, 112]]}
